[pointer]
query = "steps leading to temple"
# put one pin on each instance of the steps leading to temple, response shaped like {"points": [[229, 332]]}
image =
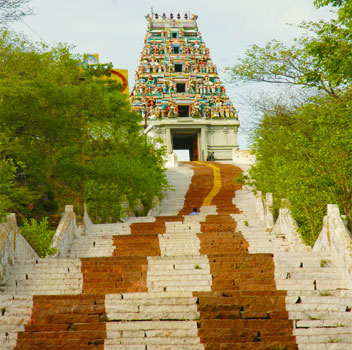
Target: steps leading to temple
{"points": [[179, 282], [317, 297]]}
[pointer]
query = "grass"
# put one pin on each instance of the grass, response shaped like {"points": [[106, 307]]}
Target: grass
{"points": [[333, 340], [325, 293], [313, 318], [246, 223], [197, 267], [324, 262]]}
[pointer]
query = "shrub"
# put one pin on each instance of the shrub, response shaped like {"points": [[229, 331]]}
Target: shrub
{"points": [[38, 235]]}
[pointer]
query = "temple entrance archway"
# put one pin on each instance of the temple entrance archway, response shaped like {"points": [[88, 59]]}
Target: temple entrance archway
{"points": [[186, 141]]}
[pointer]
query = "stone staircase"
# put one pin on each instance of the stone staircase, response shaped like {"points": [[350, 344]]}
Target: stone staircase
{"points": [[318, 300], [217, 281]]}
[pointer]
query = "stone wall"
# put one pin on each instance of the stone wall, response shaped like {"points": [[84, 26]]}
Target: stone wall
{"points": [[65, 233], [243, 157], [336, 240], [13, 247], [170, 160], [286, 226]]}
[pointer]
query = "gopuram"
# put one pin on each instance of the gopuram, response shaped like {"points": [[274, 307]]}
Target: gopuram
{"points": [[179, 93]]}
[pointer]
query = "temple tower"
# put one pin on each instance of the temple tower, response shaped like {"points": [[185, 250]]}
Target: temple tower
{"points": [[179, 93]]}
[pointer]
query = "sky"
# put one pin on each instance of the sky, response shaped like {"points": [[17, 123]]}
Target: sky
{"points": [[116, 28]]}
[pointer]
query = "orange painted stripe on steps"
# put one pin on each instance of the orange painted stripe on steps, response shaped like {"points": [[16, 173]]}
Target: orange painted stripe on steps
{"points": [[244, 310]]}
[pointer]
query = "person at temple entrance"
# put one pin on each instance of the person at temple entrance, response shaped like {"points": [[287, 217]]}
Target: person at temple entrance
{"points": [[194, 212]]}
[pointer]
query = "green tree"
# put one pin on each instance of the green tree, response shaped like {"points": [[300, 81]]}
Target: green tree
{"points": [[305, 156], [14, 196], [71, 130], [304, 150], [13, 10]]}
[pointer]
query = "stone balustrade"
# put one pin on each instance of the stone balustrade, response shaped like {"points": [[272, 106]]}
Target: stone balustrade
{"points": [[170, 160], [286, 225], [13, 247], [65, 233], [243, 157], [336, 239]]}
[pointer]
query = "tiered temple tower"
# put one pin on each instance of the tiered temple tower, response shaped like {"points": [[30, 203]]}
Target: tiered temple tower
{"points": [[179, 93]]}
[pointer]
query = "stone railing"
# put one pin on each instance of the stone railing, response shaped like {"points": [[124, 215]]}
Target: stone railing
{"points": [[243, 156], [286, 225], [170, 160], [156, 207], [88, 223], [13, 247], [264, 209], [335, 240], [65, 233]]}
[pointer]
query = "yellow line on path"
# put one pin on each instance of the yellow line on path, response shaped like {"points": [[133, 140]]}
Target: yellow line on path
{"points": [[217, 184]]}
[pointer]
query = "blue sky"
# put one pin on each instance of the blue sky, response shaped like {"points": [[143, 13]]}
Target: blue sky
{"points": [[115, 29]]}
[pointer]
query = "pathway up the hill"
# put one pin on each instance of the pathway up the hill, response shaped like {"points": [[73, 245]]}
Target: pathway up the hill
{"points": [[176, 282]]}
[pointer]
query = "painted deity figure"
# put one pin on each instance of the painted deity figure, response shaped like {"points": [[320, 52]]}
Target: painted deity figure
{"points": [[172, 109]]}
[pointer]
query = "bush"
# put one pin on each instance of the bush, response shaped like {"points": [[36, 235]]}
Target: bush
{"points": [[305, 157], [39, 236]]}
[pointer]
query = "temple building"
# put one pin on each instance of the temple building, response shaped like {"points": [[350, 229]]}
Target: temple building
{"points": [[178, 91]]}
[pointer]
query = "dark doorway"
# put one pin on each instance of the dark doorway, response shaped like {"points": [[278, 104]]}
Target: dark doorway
{"points": [[183, 111], [176, 49], [178, 67], [180, 87], [184, 141], [174, 35]]}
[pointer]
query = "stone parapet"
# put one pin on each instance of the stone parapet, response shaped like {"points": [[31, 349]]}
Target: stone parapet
{"points": [[170, 160], [244, 157], [286, 226], [13, 247], [65, 232], [335, 240]]}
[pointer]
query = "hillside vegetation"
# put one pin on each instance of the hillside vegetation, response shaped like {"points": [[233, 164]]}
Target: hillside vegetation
{"points": [[304, 148], [66, 137]]}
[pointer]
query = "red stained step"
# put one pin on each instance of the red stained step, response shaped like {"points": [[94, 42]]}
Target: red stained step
{"points": [[65, 323], [244, 310]]}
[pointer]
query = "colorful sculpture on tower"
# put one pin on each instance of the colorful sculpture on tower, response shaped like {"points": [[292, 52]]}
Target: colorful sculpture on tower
{"points": [[176, 77]]}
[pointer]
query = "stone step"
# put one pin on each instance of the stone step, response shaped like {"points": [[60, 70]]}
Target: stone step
{"points": [[344, 331], [323, 298], [330, 345], [320, 324], [321, 315], [317, 307]]}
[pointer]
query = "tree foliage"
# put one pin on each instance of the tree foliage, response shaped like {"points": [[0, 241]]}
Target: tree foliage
{"points": [[14, 196], [39, 236], [319, 59], [73, 135], [304, 151], [13, 10], [305, 156]]}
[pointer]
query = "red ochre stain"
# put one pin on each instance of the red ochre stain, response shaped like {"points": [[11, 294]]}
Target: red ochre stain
{"points": [[71, 322], [244, 310]]}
